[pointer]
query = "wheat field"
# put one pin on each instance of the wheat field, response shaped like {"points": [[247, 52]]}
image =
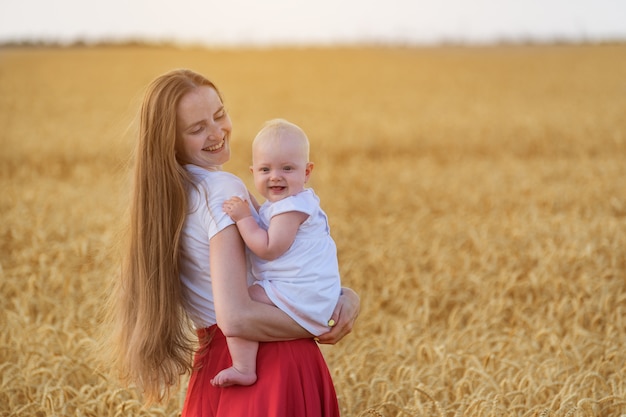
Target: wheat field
{"points": [[477, 196]]}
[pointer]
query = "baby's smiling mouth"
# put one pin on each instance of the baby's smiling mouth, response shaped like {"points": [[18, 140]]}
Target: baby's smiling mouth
{"points": [[214, 147]]}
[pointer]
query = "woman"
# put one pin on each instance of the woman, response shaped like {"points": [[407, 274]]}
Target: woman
{"points": [[186, 262]]}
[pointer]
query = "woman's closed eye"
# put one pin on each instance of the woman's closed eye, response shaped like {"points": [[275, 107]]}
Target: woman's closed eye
{"points": [[197, 129], [220, 114]]}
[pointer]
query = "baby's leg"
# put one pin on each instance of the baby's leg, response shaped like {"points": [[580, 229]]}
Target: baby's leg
{"points": [[257, 293], [243, 352], [243, 371]]}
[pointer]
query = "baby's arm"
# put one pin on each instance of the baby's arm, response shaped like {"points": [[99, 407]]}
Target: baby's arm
{"points": [[269, 244]]}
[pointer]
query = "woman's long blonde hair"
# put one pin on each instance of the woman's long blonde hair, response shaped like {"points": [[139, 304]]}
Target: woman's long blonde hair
{"points": [[152, 344]]}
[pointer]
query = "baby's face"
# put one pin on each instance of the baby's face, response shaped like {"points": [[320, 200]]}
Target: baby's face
{"points": [[280, 168]]}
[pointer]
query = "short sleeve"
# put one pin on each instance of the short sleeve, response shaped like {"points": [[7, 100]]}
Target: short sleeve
{"points": [[305, 202], [211, 190], [220, 191]]}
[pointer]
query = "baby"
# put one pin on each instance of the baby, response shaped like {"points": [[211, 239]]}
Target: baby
{"points": [[294, 258]]}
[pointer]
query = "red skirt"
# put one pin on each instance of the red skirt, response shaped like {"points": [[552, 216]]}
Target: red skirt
{"points": [[293, 381]]}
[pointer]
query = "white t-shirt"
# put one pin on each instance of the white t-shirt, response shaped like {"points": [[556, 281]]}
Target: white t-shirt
{"points": [[204, 220], [304, 282]]}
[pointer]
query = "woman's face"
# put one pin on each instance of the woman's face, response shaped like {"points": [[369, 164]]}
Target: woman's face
{"points": [[203, 129]]}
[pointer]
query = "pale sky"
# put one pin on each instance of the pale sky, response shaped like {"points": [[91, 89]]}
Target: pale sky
{"points": [[289, 22]]}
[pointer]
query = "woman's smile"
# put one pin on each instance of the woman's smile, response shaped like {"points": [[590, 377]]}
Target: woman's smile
{"points": [[215, 147]]}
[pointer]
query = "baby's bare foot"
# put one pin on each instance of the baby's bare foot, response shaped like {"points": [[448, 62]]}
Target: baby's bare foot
{"points": [[232, 376]]}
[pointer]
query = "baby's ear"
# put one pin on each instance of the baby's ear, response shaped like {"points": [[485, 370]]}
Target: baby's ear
{"points": [[307, 171], [251, 169]]}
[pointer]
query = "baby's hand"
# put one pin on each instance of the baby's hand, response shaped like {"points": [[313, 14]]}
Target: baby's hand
{"points": [[237, 208]]}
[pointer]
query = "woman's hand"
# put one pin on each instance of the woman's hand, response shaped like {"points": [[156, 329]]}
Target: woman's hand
{"points": [[344, 316]]}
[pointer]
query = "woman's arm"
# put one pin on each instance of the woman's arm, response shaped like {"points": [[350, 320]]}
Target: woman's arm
{"points": [[237, 315]]}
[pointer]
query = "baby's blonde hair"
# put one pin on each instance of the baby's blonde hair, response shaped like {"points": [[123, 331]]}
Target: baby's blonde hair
{"points": [[280, 129]]}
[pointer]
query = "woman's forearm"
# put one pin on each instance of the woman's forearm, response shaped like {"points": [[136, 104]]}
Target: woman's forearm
{"points": [[237, 314], [266, 323]]}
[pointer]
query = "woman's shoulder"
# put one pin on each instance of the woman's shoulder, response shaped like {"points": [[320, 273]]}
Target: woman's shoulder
{"points": [[199, 174], [214, 180]]}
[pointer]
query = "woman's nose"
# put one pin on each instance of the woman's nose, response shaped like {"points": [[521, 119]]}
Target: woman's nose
{"points": [[213, 131]]}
